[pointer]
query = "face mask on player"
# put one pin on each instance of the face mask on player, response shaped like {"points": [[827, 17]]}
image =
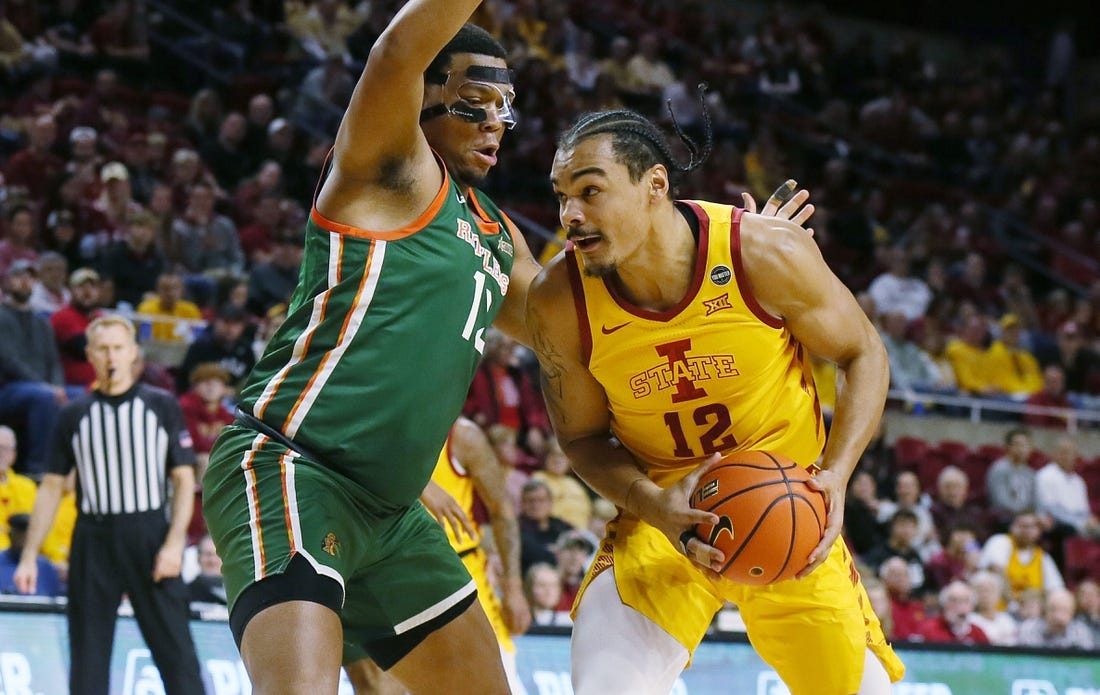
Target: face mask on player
{"points": [[472, 96]]}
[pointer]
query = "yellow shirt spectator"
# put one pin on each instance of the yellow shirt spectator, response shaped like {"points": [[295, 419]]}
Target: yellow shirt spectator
{"points": [[16, 497]]}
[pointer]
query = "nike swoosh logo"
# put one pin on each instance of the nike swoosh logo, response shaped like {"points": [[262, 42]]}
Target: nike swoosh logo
{"points": [[609, 331], [724, 524]]}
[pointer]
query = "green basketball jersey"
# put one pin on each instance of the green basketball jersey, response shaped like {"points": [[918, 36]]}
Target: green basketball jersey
{"points": [[383, 335]]}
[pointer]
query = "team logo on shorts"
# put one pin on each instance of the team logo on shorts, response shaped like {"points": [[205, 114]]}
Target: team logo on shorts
{"points": [[330, 545]]}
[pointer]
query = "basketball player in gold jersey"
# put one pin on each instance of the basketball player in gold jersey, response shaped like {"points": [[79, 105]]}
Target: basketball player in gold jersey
{"points": [[684, 329], [468, 468]]}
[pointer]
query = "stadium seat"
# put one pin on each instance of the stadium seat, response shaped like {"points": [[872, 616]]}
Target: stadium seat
{"points": [[976, 466], [990, 452], [1082, 559], [928, 470], [909, 451], [1038, 459], [955, 452]]}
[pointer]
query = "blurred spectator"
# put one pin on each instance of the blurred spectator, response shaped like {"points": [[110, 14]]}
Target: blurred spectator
{"points": [[51, 292], [996, 623], [226, 155], [906, 609], [951, 508], [16, 491], [649, 74], [900, 543], [224, 343], [138, 159], [543, 587], [259, 115], [323, 94], [22, 57], [502, 393], [1061, 494], [880, 603], [18, 243], [898, 290], [970, 359], [953, 624], [911, 368], [1010, 480], [116, 203], [257, 235], [958, 559], [573, 552], [571, 501], [603, 512], [209, 585], [69, 324], [49, 584], [538, 528], [1052, 394], [205, 244], [121, 36], [323, 27], [1015, 370], [273, 282], [1079, 362], [1088, 607], [131, 265], [84, 156], [910, 497], [863, 527], [30, 369], [204, 409], [204, 117], [62, 237], [35, 167], [1017, 557], [169, 302], [1058, 628]]}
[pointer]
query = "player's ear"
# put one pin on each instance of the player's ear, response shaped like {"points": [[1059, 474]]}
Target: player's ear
{"points": [[658, 183]]}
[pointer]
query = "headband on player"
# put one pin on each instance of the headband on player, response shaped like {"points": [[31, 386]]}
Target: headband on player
{"points": [[470, 96]]}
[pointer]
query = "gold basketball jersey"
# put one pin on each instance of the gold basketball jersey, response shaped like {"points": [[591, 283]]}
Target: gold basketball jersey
{"points": [[715, 373], [453, 478]]}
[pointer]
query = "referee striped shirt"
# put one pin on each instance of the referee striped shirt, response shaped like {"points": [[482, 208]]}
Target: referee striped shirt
{"points": [[123, 448]]}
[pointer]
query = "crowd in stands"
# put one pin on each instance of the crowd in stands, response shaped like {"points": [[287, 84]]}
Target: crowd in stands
{"points": [[957, 198]]}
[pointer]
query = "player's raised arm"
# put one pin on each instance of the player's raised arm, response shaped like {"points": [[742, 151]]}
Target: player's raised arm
{"points": [[380, 130], [824, 316]]}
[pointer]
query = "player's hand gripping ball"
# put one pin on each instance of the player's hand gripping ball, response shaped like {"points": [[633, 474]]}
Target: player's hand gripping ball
{"points": [[769, 518]]}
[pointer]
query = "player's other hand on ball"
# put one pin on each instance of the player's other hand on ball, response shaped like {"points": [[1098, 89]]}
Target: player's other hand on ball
{"points": [[832, 485], [677, 519]]}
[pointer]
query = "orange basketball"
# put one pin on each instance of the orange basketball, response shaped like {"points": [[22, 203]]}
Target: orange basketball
{"points": [[770, 519]]}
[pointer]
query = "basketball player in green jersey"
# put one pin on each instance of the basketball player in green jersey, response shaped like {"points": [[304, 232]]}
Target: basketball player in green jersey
{"points": [[311, 496]]}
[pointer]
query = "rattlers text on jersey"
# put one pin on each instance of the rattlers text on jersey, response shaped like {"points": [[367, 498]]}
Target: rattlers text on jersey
{"points": [[714, 373]]}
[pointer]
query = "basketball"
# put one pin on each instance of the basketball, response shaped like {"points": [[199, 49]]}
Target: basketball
{"points": [[770, 519]]}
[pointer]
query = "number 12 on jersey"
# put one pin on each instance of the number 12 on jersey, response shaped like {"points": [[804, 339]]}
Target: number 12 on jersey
{"points": [[715, 417]]}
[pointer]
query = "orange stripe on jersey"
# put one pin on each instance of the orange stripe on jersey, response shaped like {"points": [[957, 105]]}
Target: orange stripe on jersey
{"points": [[392, 235], [269, 394], [251, 485], [485, 224], [579, 304], [286, 503], [742, 279], [339, 339]]}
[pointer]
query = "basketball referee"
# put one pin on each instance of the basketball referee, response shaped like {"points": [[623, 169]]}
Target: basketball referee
{"points": [[126, 441]]}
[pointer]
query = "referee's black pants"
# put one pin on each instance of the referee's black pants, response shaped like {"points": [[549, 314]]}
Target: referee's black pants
{"points": [[112, 555]]}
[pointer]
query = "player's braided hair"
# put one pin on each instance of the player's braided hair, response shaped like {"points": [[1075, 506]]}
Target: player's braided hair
{"points": [[470, 39], [637, 142]]}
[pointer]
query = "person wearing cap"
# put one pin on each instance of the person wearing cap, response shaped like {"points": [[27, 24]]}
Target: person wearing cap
{"points": [[30, 369], [83, 141], [51, 292], [1014, 370], [49, 582], [226, 342], [115, 202], [573, 552], [18, 243], [69, 323]]}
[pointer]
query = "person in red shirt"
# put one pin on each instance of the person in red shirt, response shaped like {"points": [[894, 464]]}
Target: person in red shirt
{"points": [[957, 560], [906, 609], [953, 624], [204, 408], [36, 167], [69, 323]]}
